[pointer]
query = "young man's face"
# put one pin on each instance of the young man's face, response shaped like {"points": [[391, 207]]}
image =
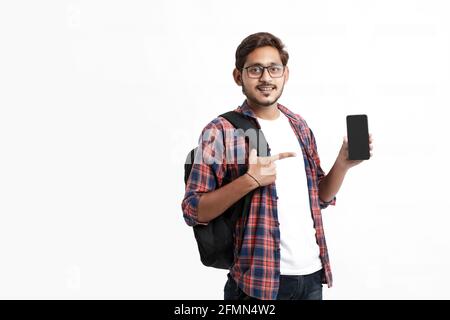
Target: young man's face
{"points": [[265, 90]]}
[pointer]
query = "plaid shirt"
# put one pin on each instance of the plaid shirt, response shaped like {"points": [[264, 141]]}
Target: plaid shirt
{"points": [[256, 267]]}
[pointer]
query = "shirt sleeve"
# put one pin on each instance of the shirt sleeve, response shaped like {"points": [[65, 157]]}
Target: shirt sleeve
{"points": [[320, 172], [207, 173]]}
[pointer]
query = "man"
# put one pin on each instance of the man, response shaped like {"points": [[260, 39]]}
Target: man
{"points": [[282, 253]]}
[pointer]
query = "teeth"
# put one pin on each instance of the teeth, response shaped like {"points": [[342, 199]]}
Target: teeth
{"points": [[265, 88]]}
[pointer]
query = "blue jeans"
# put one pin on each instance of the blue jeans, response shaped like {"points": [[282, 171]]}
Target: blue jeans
{"points": [[307, 287]]}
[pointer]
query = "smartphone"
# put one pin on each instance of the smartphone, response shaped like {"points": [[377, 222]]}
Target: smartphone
{"points": [[358, 137]]}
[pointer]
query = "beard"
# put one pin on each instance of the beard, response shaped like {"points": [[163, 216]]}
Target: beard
{"points": [[262, 102]]}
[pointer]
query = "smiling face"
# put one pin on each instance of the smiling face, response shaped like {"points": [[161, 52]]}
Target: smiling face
{"points": [[262, 92]]}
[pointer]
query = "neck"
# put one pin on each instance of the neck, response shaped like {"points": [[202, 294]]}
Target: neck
{"points": [[265, 113]]}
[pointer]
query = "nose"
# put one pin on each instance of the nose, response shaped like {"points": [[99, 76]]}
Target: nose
{"points": [[265, 77]]}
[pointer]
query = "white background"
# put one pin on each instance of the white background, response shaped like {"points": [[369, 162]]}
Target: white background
{"points": [[101, 100]]}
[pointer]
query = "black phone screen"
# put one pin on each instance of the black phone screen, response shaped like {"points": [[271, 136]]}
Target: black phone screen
{"points": [[358, 137]]}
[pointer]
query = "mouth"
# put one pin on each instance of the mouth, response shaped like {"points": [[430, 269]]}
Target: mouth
{"points": [[265, 89]]}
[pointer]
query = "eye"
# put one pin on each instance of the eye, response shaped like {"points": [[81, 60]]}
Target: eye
{"points": [[255, 69]]}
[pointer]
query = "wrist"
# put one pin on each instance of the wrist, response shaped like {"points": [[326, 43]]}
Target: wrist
{"points": [[251, 178]]}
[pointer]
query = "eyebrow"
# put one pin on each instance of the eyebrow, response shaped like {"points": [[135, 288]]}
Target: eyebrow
{"points": [[260, 64]]}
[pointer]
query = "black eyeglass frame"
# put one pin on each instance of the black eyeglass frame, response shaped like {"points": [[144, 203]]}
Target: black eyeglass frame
{"points": [[263, 68]]}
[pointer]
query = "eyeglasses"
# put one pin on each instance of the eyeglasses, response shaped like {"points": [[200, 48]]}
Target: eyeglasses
{"points": [[256, 71]]}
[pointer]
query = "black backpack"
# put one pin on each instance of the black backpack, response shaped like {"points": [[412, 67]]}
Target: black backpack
{"points": [[215, 241]]}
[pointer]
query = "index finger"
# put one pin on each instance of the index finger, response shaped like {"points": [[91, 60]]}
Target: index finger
{"points": [[283, 155]]}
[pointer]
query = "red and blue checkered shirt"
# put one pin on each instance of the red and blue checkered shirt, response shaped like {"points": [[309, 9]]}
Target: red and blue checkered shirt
{"points": [[256, 267]]}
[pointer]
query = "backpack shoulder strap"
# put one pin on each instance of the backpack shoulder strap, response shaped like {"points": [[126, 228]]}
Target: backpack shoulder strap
{"points": [[240, 121]]}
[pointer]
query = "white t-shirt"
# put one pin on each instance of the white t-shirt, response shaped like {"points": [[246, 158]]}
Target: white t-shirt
{"points": [[299, 249]]}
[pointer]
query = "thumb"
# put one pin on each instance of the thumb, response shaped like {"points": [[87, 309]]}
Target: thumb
{"points": [[252, 158]]}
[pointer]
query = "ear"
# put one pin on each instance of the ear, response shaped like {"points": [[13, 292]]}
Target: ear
{"points": [[286, 74], [237, 75]]}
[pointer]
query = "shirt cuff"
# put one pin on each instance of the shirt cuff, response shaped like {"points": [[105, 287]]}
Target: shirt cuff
{"points": [[190, 209], [324, 204]]}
